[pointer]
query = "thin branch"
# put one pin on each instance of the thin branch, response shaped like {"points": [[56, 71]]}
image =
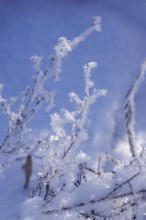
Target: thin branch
{"points": [[108, 196], [130, 108]]}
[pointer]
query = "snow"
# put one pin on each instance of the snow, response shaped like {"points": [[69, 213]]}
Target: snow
{"points": [[12, 193]]}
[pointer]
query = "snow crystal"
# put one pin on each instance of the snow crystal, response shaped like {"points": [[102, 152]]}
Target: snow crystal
{"points": [[97, 23], [36, 61]]}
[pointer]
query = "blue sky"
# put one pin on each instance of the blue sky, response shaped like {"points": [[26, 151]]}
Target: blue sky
{"points": [[29, 27]]}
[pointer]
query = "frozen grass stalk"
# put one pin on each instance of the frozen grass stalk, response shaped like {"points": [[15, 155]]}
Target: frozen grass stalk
{"points": [[130, 108]]}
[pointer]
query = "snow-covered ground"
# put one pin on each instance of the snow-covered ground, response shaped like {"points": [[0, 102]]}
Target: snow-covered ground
{"points": [[12, 193]]}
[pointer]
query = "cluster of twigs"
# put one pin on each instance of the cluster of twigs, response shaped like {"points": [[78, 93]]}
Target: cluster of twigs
{"points": [[119, 196]]}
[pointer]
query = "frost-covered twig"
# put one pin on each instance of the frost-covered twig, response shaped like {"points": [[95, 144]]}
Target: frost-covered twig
{"points": [[108, 197], [30, 101], [65, 46], [77, 119], [135, 201], [130, 108], [84, 104]]}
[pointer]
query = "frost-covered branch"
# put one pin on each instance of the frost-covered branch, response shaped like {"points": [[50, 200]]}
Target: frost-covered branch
{"points": [[130, 108], [84, 104], [21, 109], [68, 131], [29, 102], [65, 46], [107, 198], [81, 192], [68, 183]]}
